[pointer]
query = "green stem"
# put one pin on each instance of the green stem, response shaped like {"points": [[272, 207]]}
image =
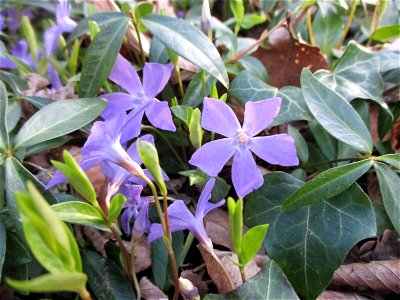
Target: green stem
{"points": [[347, 26], [375, 21], [108, 87], [203, 83], [187, 245], [135, 24], [242, 273], [159, 133], [133, 271], [309, 28], [178, 73]]}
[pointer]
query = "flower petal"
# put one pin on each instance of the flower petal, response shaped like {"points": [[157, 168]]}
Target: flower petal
{"points": [[54, 78], [245, 175], [210, 206], [126, 77], [160, 116], [211, 157], [51, 36], [218, 117], [155, 77], [156, 232], [6, 63], [204, 197], [142, 223], [132, 126], [276, 149], [126, 217], [258, 115], [117, 103]]}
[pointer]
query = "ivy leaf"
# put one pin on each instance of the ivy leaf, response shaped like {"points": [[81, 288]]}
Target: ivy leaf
{"points": [[270, 283], [327, 31], [300, 240], [197, 49], [355, 75], [389, 183], [100, 57], [57, 119], [327, 184], [335, 114]]}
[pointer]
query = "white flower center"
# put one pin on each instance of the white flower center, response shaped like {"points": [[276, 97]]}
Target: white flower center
{"points": [[242, 138]]}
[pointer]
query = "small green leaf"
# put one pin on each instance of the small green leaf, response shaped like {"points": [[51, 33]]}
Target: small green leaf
{"points": [[327, 184], [198, 49], [4, 142], [77, 212], [335, 114], [94, 29], [17, 84], [53, 282], [251, 20], [195, 130], [100, 57], [143, 9], [46, 145], [149, 155], [116, 206], [57, 119], [73, 60], [76, 177], [237, 9], [194, 91], [183, 112], [328, 30], [29, 33], [251, 243], [235, 210], [391, 159], [389, 183], [387, 33], [301, 144]]}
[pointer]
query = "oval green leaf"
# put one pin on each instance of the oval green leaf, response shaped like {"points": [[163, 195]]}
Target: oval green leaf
{"points": [[327, 184], [251, 243], [188, 42], [335, 114], [57, 119], [387, 33], [3, 120]]}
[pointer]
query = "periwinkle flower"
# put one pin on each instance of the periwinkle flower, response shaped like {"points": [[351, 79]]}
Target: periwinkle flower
{"points": [[20, 51], [180, 217], [240, 142], [140, 98], [63, 24], [136, 207], [103, 144]]}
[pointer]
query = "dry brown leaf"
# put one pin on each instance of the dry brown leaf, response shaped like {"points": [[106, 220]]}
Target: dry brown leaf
{"points": [[377, 275], [286, 58], [217, 227], [217, 272], [66, 92], [385, 248], [142, 253], [35, 83], [395, 136], [330, 295], [97, 238], [150, 291]]}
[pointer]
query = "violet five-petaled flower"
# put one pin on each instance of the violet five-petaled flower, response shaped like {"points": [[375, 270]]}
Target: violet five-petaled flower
{"points": [[140, 99], [63, 24], [180, 217], [19, 51], [103, 144], [240, 142]]}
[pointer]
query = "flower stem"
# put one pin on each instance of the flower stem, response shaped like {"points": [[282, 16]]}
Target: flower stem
{"points": [[187, 245], [309, 28], [203, 83], [136, 25], [347, 26], [375, 21], [85, 295], [242, 273], [133, 271], [178, 73]]}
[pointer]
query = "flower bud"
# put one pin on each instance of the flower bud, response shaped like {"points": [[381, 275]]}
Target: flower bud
{"points": [[188, 290], [206, 18]]}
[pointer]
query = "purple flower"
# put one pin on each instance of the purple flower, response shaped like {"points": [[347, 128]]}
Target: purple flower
{"points": [[19, 51], [140, 98], [54, 79], [180, 218], [240, 142], [136, 207], [10, 17], [63, 24], [103, 144]]}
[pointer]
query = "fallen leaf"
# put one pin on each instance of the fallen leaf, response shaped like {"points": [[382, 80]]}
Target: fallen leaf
{"points": [[35, 83], [217, 227], [150, 291], [385, 248], [97, 238], [286, 58], [330, 295], [377, 275], [142, 253], [66, 92]]}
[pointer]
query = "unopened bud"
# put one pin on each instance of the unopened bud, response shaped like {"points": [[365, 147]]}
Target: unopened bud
{"points": [[188, 290], [206, 18]]}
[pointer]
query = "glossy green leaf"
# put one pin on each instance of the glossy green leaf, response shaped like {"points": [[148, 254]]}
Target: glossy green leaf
{"points": [[237, 9], [235, 210], [387, 33], [254, 66], [251, 243], [57, 119], [116, 205], [389, 183], [76, 177], [53, 282], [38, 102], [80, 213], [3, 246], [100, 57], [327, 30], [143, 9], [269, 283], [251, 20], [194, 91], [159, 262], [13, 114], [310, 243], [327, 184], [17, 84], [335, 114], [355, 75], [326, 142], [382, 219], [198, 49], [300, 142], [46, 145], [183, 112], [158, 52], [16, 177], [195, 130], [4, 142], [105, 278], [391, 159], [388, 59]]}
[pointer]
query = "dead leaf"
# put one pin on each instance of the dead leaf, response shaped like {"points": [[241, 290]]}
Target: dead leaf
{"points": [[150, 291], [385, 248], [97, 238], [287, 56], [217, 227], [142, 253], [66, 92], [395, 136], [35, 83], [377, 275], [330, 295]]}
